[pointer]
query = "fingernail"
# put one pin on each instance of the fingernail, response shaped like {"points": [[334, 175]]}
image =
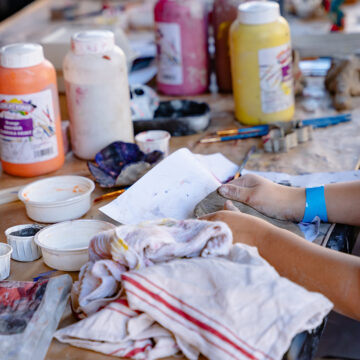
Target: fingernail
{"points": [[223, 190]]}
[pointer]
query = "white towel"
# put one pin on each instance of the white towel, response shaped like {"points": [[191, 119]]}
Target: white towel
{"points": [[230, 306], [133, 247], [99, 283], [226, 308], [119, 331], [136, 246]]}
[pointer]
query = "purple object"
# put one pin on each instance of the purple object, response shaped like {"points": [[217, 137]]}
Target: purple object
{"points": [[113, 159]]}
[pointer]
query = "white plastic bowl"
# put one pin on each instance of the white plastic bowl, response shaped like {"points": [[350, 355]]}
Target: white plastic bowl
{"points": [[21, 239], [152, 140], [64, 246], [57, 198]]}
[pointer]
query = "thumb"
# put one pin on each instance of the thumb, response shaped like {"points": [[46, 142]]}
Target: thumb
{"points": [[235, 192], [230, 206]]}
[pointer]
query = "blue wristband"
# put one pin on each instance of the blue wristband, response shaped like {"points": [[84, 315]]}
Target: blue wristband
{"points": [[315, 204]]}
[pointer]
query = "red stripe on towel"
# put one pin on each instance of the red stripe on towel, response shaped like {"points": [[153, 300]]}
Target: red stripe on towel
{"points": [[201, 313], [122, 301], [189, 318], [119, 311], [133, 352], [184, 325]]}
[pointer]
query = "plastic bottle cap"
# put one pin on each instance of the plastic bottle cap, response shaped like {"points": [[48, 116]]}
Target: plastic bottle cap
{"points": [[92, 42], [258, 12], [21, 55]]}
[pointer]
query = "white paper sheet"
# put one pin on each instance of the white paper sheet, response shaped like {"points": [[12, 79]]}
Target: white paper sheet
{"points": [[174, 187], [220, 166], [171, 189]]}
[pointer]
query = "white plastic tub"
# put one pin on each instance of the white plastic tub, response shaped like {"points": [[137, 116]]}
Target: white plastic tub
{"points": [[21, 239], [65, 245], [57, 198], [152, 140], [5, 253]]}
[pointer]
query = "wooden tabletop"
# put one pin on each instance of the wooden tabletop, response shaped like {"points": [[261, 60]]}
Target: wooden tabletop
{"points": [[335, 148]]}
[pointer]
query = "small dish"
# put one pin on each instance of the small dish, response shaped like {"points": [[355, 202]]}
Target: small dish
{"points": [[57, 198], [21, 239], [65, 245], [5, 253], [178, 117], [153, 140]]}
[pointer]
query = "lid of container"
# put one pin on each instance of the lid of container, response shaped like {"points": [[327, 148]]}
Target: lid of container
{"points": [[258, 12], [92, 42], [21, 55]]}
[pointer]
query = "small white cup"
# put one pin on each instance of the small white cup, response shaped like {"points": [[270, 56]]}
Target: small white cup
{"points": [[151, 140], [5, 252], [21, 239]]}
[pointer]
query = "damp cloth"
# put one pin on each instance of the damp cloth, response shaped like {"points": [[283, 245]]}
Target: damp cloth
{"points": [[29, 315], [129, 247], [227, 303]]}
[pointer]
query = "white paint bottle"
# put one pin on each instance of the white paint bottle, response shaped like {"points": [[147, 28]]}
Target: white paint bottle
{"points": [[97, 93]]}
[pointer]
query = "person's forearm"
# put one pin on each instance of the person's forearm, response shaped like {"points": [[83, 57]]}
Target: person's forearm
{"points": [[334, 274], [343, 202], [288, 203]]}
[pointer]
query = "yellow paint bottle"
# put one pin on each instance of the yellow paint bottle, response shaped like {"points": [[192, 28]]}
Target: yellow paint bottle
{"points": [[260, 53]]}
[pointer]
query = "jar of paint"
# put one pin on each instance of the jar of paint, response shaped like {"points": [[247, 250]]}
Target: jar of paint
{"points": [[30, 126], [223, 15], [97, 93], [182, 47], [260, 53]]}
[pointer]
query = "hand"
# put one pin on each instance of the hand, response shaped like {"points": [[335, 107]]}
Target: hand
{"points": [[274, 200], [246, 229]]}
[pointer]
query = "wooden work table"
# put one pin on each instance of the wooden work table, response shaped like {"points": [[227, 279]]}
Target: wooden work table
{"points": [[335, 148]]}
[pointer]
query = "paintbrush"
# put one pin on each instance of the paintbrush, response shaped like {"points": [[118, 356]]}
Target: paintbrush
{"points": [[327, 121], [245, 160], [253, 129], [109, 195], [261, 130]]}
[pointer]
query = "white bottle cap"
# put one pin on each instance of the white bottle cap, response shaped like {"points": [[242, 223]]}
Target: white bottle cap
{"points": [[21, 55], [92, 42], [258, 12]]}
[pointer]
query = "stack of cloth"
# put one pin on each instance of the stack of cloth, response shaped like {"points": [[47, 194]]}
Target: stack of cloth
{"points": [[155, 289]]}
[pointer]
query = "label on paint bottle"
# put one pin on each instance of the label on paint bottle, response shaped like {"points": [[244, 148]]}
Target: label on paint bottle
{"points": [[27, 128], [168, 41], [276, 78]]}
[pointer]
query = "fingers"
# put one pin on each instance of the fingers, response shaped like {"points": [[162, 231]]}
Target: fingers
{"points": [[241, 189], [209, 217], [248, 180], [215, 216], [230, 206], [235, 192]]}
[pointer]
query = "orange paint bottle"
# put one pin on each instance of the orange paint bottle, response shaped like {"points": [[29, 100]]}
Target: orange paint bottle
{"points": [[30, 126]]}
